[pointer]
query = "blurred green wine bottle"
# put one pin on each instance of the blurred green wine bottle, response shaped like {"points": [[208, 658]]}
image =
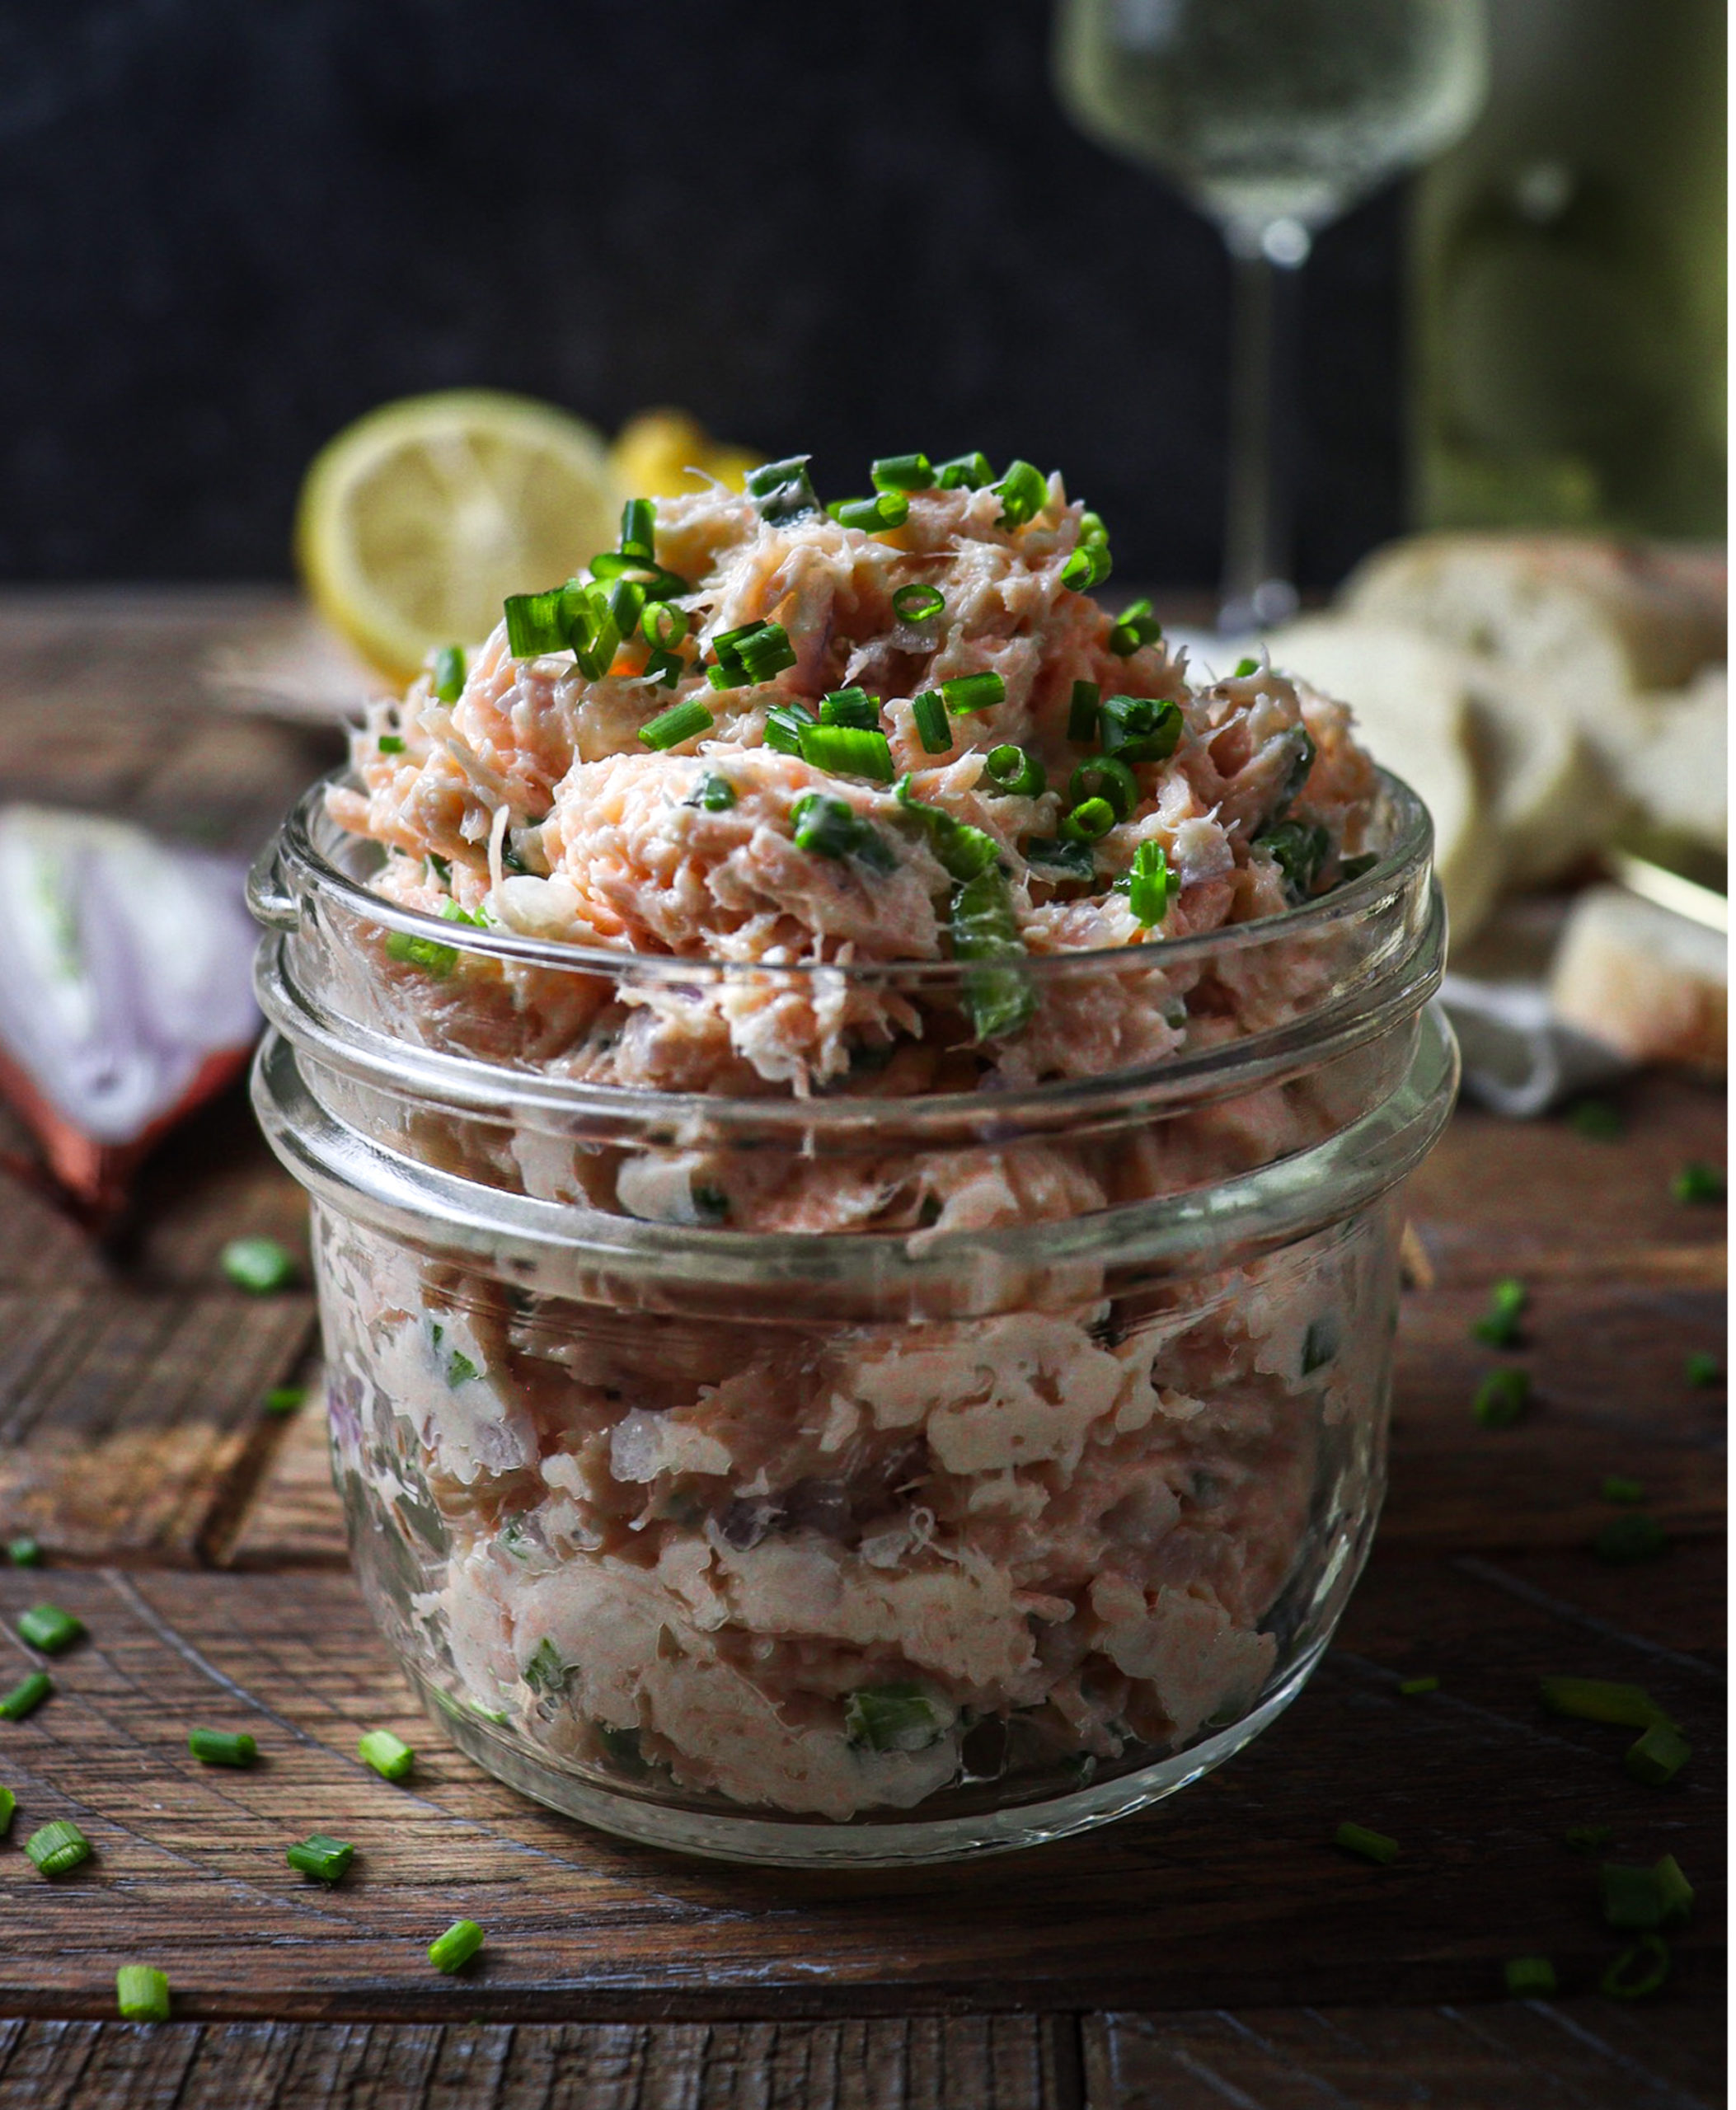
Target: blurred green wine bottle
{"points": [[1568, 278]]}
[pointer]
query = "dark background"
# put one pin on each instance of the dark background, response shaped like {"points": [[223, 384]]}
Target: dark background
{"points": [[227, 227]]}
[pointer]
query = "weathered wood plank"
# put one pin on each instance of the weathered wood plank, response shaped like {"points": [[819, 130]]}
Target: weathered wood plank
{"points": [[1161, 1912], [1509, 2055], [294, 1518]]}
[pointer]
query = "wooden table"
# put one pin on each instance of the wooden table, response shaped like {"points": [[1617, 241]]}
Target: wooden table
{"points": [[1217, 1951]]}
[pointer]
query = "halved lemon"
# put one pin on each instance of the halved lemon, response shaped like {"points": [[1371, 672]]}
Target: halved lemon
{"points": [[416, 521]]}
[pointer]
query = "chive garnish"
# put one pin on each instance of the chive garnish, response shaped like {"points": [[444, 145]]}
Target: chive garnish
{"points": [[963, 850], [1081, 715], [1089, 822], [1617, 1487], [638, 529], [1140, 728], [222, 1747], [1015, 772], [832, 827], [784, 725], [918, 603], [1149, 885], [57, 1847], [851, 707], [8, 1804], [285, 1399], [456, 1947], [1244, 668], [1499, 1325], [928, 713], [1416, 1688], [967, 692], [390, 744], [756, 652], [1502, 1398], [663, 626], [1053, 859], [681, 722], [1299, 849], [535, 624], [1702, 1370], [848, 751], [389, 1755], [1625, 1539], [48, 1628], [873, 516], [141, 1993], [1638, 1971], [260, 1264], [24, 1552], [780, 490], [448, 673], [1698, 1182], [902, 472], [1372, 1846], [1529, 1977], [321, 1856], [998, 996], [967, 473], [1646, 1898], [26, 1697], [1601, 1700], [1135, 627], [1104, 776], [1023, 492], [898, 1717], [428, 954], [715, 794], [1587, 1838], [1087, 566], [1658, 1755], [1596, 1119]]}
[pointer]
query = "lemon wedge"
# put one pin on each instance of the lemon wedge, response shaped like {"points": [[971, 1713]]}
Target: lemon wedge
{"points": [[654, 452], [416, 521]]}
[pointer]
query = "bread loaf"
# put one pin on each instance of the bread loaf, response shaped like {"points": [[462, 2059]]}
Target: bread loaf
{"points": [[1649, 983]]}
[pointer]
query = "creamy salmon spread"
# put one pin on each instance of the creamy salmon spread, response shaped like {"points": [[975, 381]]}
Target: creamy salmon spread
{"points": [[833, 1569]]}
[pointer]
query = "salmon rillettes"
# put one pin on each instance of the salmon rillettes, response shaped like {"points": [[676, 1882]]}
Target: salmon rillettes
{"points": [[938, 836]]}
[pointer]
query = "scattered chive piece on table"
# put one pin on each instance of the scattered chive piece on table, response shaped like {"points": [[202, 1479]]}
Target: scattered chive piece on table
{"points": [[26, 1697], [928, 711], [222, 1747], [681, 721], [1502, 1398], [24, 1552], [321, 1856], [966, 692], [1601, 1700], [261, 1264], [389, 1755], [1499, 1325], [1598, 1120], [456, 1947], [1587, 1838], [390, 744], [1617, 1487], [57, 1847], [448, 673], [1703, 1370], [1646, 1899], [1530, 1977], [141, 1993], [1625, 1539], [1659, 1755], [1082, 716], [1638, 1971], [48, 1628], [8, 1803], [1698, 1182], [285, 1399], [1371, 1845], [1414, 1688]]}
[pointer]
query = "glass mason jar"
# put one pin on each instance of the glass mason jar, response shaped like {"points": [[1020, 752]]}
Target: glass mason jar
{"points": [[890, 1474]]}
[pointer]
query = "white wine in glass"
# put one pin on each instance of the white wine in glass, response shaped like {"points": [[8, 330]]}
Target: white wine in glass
{"points": [[1272, 117]]}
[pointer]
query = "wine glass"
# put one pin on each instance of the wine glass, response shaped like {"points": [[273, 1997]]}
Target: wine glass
{"points": [[1272, 117]]}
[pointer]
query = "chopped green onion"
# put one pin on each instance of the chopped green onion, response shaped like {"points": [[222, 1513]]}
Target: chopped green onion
{"points": [[1675, 1893], [848, 751], [832, 827], [536, 623], [141, 1993], [1502, 1397], [902, 472], [8, 1803], [1530, 1977], [448, 673], [460, 1370], [260, 1264], [1140, 728], [1601, 1700], [390, 744], [1023, 492], [963, 850], [1638, 1971], [1089, 822], [1081, 715], [1702, 1370], [57, 1847], [389, 1755], [1015, 772], [639, 529], [1300, 771], [592, 631], [785, 724], [1320, 1343], [851, 707], [441, 867], [663, 625], [928, 713], [1135, 627], [780, 490], [24, 1552], [1104, 776], [1626, 1539], [1056, 860], [626, 607], [968, 693], [652, 581], [1092, 527], [456, 1947], [874, 516], [918, 603], [1499, 1325], [680, 722], [426, 953], [1658, 1896], [1414, 1688], [1298, 851], [48, 1628], [665, 668], [321, 1856], [285, 1399], [1617, 1487], [1587, 1838], [1698, 1182], [26, 1697], [546, 1672], [1149, 885], [756, 652], [1596, 1119], [222, 1747], [1372, 1846], [1658, 1755], [716, 794], [1087, 566], [998, 996], [967, 473], [893, 1718], [1244, 668], [452, 912]]}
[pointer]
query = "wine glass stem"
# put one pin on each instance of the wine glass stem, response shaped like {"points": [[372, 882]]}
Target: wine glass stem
{"points": [[1256, 583]]}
